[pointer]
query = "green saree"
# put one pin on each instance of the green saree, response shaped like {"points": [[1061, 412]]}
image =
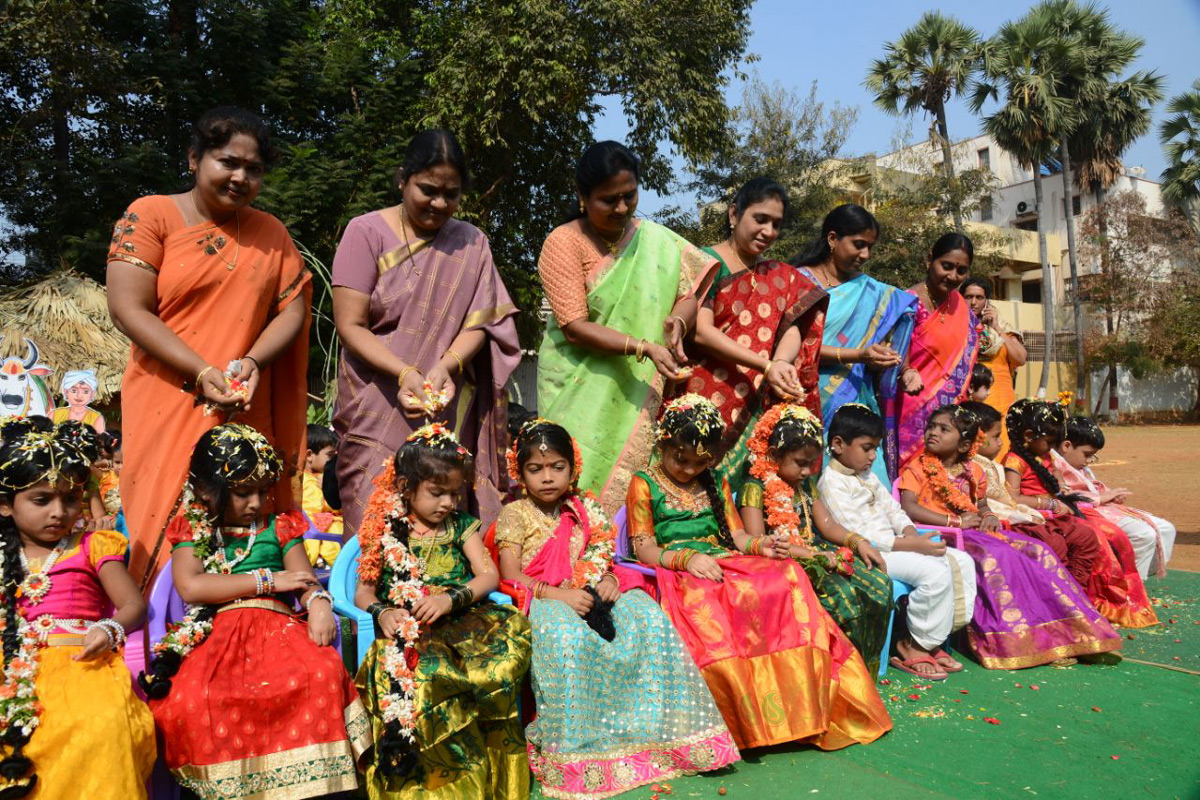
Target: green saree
{"points": [[610, 402]]}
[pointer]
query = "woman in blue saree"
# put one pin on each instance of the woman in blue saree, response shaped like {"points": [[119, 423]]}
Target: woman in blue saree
{"points": [[868, 325]]}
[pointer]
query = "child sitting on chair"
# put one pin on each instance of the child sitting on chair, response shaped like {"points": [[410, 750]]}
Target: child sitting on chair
{"points": [[1152, 537], [943, 579], [322, 446]]}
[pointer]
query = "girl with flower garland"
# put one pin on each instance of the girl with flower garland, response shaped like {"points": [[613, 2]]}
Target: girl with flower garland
{"points": [[250, 700], [777, 665], [442, 678], [1097, 553], [779, 500], [1028, 610], [588, 740], [70, 724]]}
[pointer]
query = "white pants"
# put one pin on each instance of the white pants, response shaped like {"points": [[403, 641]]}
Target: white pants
{"points": [[1144, 538], [942, 599]]}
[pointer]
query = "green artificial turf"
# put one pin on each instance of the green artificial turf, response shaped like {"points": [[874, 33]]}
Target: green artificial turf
{"points": [[1056, 730]]}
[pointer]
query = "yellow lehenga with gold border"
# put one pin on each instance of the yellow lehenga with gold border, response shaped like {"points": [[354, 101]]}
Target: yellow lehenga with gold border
{"points": [[468, 732]]}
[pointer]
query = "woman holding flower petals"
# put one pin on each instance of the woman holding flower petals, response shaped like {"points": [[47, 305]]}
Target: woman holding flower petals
{"points": [[593, 631], [442, 677], [426, 327]]}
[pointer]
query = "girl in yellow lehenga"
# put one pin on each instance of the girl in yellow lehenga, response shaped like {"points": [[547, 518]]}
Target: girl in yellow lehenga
{"points": [[81, 732], [441, 679]]}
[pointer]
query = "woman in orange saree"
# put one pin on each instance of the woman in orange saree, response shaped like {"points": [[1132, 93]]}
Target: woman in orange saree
{"points": [[759, 329], [944, 345], [198, 280]]}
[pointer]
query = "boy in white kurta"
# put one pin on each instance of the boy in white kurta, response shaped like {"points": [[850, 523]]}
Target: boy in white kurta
{"points": [[942, 599]]}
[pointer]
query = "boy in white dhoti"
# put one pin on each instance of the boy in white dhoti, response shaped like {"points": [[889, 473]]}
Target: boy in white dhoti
{"points": [[943, 579]]}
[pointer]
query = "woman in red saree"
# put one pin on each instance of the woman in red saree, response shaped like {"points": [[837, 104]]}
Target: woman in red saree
{"points": [[944, 344], [199, 280], [759, 328], [427, 330]]}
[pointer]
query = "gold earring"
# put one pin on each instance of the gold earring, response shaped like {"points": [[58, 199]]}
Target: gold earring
{"points": [[582, 208]]}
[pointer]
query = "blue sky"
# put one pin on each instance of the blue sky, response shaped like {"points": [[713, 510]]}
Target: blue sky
{"points": [[834, 43]]}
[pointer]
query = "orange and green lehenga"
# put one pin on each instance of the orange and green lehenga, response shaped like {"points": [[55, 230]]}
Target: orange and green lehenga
{"points": [[777, 665]]}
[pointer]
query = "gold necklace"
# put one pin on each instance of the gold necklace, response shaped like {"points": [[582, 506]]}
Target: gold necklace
{"points": [[614, 245], [214, 245], [408, 251], [745, 267], [679, 497]]}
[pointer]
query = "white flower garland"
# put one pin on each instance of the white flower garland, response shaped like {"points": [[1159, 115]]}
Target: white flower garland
{"points": [[400, 657], [19, 707]]}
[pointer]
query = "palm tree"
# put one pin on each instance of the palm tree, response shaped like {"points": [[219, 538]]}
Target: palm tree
{"points": [[1026, 63], [1180, 135], [1106, 132], [931, 62], [1089, 36]]}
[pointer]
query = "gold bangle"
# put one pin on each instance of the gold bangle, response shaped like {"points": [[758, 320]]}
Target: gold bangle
{"points": [[682, 322], [767, 369], [837, 352], [641, 350], [625, 348], [201, 375], [461, 367], [403, 374]]}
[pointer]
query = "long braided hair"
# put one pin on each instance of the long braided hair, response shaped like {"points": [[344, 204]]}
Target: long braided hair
{"points": [[693, 421], [226, 455], [1039, 418], [32, 450]]}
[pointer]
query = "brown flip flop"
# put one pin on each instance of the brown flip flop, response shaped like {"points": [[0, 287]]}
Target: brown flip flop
{"points": [[906, 666]]}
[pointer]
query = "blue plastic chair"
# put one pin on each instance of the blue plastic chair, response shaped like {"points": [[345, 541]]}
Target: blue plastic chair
{"points": [[343, 581], [622, 553]]}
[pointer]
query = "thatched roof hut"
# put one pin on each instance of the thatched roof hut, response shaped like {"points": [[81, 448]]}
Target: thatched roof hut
{"points": [[66, 315]]}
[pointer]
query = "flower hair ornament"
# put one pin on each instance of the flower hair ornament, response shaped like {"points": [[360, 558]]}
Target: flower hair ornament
{"points": [[228, 445], [36, 451], [529, 429], [436, 434], [690, 410], [383, 537], [784, 516]]}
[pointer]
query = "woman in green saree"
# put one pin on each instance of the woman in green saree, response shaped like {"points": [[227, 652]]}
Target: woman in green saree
{"points": [[623, 293]]}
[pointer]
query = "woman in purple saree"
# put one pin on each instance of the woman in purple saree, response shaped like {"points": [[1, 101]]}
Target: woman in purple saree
{"points": [[426, 328]]}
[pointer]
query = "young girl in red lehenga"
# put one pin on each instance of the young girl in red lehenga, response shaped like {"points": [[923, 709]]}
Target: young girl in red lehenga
{"points": [[250, 700], [1100, 557]]}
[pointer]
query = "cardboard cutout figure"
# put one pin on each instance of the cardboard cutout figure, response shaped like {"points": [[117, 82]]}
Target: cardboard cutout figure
{"points": [[79, 388], [23, 389]]}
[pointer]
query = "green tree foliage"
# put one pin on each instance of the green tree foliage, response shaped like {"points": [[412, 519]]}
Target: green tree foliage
{"points": [[1172, 331], [1180, 136], [781, 135], [931, 62], [97, 99]]}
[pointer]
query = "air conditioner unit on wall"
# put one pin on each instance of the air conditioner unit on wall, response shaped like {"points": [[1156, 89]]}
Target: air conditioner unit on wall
{"points": [[1026, 207]]}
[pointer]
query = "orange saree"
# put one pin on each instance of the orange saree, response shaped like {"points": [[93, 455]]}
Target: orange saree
{"points": [[218, 288]]}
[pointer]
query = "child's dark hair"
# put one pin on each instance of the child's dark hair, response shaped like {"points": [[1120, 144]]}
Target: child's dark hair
{"points": [[82, 437], [31, 450], [320, 437], [987, 415], [845, 220], [754, 191], [693, 421], [110, 443], [219, 125], [599, 163], [433, 148], [964, 421], [1039, 418], [226, 455], [853, 421], [792, 433], [1083, 431], [428, 454], [981, 376], [537, 435], [517, 416]]}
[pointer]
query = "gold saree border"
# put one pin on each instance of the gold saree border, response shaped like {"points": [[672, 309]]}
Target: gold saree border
{"points": [[310, 771], [714, 732], [1084, 644], [486, 316], [134, 260]]}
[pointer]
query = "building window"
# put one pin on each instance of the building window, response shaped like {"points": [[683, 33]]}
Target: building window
{"points": [[1031, 291], [985, 159], [985, 209], [1075, 206]]}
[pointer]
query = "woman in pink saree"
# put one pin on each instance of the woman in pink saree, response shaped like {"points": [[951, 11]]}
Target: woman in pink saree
{"points": [[426, 327], [944, 344]]}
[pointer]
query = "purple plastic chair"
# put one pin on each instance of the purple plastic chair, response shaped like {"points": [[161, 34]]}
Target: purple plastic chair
{"points": [[623, 555]]}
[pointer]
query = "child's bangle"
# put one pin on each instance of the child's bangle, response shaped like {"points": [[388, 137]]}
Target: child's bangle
{"points": [[319, 594]]}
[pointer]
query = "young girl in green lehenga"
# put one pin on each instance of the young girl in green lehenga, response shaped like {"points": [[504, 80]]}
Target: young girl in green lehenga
{"points": [[780, 499], [441, 679]]}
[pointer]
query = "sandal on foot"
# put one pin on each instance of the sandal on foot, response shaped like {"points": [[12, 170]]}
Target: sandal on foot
{"points": [[906, 665], [945, 661]]}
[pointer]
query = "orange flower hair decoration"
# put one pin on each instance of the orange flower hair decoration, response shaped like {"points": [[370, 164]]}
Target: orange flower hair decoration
{"points": [[385, 504], [437, 435], [783, 518]]}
